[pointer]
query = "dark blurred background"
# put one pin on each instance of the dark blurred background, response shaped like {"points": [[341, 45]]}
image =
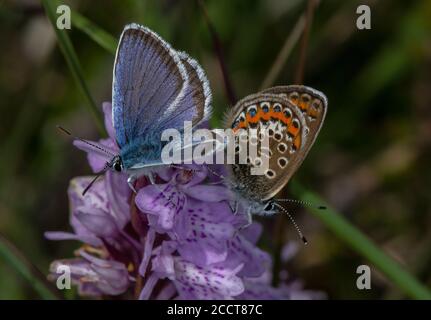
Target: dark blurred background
{"points": [[370, 161]]}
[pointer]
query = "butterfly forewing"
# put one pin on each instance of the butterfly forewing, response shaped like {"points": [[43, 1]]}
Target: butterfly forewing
{"points": [[286, 128], [149, 78]]}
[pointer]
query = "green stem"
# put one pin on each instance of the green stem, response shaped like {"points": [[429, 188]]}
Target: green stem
{"points": [[364, 246], [100, 36], [10, 254], [73, 63]]}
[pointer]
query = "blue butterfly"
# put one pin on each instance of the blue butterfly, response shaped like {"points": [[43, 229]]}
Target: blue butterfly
{"points": [[154, 88]]}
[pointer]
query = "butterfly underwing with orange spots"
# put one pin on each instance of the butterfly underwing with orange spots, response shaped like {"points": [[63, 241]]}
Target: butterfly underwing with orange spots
{"points": [[292, 116]]}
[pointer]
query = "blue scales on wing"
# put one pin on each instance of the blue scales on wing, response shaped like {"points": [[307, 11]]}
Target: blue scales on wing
{"points": [[148, 78], [154, 88]]}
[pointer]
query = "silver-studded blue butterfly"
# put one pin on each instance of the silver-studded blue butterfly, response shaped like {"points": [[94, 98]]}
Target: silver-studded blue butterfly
{"points": [[154, 88]]}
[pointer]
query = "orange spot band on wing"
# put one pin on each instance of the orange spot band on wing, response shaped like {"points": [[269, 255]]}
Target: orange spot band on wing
{"points": [[294, 101], [251, 119], [313, 113], [303, 106], [266, 116], [297, 142], [285, 119], [242, 125], [275, 115], [292, 130]]}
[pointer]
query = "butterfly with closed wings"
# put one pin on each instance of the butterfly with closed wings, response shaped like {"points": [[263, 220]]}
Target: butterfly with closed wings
{"points": [[292, 117]]}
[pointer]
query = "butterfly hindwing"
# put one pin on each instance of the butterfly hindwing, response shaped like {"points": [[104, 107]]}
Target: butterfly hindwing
{"points": [[285, 125], [195, 104], [312, 103]]}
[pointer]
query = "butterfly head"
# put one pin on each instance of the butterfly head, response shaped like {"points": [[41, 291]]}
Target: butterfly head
{"points": [[116, 164], [269, 207]]}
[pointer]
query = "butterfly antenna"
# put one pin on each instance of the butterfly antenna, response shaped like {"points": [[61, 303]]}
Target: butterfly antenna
{"points": [[222, 177], [300, 234], [95, 179], [302, 203], [215, 173], [90, 184], [183, 168], [85, 141]]}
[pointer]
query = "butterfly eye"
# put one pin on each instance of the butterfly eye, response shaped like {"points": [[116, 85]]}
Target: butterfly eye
{"points": [[269, 206], [117, 165]]}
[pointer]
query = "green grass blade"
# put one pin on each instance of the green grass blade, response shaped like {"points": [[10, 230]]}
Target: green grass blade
{"points": [[73, 63], [100, 36], [364, 246], [10, 254]]}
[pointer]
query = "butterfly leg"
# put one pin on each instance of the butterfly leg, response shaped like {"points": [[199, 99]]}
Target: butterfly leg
{"points": [[247, 224], [151, 178], [215, 182], [222, 177], [183, 168], [233, 205], [249, 219], [131, 182]]}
